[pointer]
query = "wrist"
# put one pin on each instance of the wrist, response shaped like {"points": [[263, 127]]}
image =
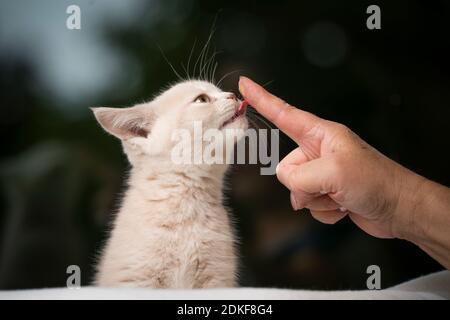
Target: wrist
{"points": [[408, 217], [423, 217]]}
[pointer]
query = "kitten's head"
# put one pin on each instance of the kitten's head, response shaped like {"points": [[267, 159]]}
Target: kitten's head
{"points": [[148, 129]]}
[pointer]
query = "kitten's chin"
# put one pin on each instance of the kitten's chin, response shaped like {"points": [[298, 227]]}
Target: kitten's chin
{"points": [[239, 122], [238, 119]]}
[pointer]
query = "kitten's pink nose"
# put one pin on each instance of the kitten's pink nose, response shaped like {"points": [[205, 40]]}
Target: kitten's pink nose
{"points": [[231, 95]]}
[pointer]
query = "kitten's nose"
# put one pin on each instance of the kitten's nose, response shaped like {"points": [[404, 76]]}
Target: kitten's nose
{"points": [[231, 95]]}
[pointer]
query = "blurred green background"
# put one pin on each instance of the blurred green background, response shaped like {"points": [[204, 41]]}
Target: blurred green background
{"points": [[62, 176]]}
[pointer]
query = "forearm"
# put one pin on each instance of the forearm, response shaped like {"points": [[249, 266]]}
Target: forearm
{"points": [[425, 213]]}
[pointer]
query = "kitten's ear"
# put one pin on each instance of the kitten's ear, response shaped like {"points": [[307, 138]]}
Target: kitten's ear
{"points": [[124, 123]]}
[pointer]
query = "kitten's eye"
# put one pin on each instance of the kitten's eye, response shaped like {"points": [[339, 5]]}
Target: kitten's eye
{"points": [[203, 98]]}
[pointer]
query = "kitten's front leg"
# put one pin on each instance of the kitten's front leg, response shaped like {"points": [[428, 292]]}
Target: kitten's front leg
{"points": [[217, 283], [216, 280]]}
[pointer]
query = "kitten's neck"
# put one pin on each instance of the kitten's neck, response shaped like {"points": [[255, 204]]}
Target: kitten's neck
{"points": [[162, 180]]}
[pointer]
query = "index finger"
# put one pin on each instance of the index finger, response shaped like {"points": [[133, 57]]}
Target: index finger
{"points": [[292, 121]]}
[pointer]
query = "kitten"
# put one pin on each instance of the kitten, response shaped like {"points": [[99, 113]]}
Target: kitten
{"points": [[172, 230]]}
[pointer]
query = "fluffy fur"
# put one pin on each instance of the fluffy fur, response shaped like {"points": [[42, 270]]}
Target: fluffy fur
{"points": [[172, 230]]}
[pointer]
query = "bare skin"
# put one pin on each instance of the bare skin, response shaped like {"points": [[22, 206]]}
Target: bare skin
{"points": [[334, 173]]}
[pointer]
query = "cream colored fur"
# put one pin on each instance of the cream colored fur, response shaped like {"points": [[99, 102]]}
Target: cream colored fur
{"points": [[172, 230]]}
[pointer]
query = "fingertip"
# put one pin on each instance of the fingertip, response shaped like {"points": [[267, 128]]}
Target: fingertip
{"points": [[328, 217], [243, 81], [244, 78]]}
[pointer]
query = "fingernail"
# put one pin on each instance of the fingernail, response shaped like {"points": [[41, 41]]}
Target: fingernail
{"points": [[294, 202], [241, 88], [342, 209]]}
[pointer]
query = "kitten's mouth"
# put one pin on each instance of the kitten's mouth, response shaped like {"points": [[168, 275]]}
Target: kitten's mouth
{"points": [[239, 112]]}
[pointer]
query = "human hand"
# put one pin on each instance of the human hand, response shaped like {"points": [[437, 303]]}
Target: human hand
{"points": [[334, 173]]}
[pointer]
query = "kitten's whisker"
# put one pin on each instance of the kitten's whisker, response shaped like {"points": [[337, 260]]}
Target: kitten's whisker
{"points": [[200, 59], [250, 116], [205, 65], [213, 72], [203, 60], [210, 60], [226, 75], [261, 119], [213, 77], [170, 64], [256, 117], [185, 71], [209, 64], [252, 123], [189, 59], [206, 62], [197, 61], [267, 83]]}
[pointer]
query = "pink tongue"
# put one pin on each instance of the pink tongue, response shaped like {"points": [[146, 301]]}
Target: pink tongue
{"points": [[242, 107]]}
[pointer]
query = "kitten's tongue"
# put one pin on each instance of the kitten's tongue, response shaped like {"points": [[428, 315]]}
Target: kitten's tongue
{"points": [[240, 111], [242, 107]]}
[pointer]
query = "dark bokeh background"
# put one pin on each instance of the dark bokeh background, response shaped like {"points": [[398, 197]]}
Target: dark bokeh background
{"points": [[61, 176]]}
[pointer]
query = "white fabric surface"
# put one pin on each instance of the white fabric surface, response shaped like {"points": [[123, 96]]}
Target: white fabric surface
{"points": [[433, 286]]}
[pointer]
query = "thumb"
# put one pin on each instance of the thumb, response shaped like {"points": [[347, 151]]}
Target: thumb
{"points": [[314, 176]]}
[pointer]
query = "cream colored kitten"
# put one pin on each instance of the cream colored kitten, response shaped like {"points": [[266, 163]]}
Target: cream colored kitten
{"points": [[172, 230]]}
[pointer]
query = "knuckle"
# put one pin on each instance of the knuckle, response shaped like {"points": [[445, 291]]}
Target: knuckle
{"points": [[289, 108], [341, 127], [286, 110]]}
